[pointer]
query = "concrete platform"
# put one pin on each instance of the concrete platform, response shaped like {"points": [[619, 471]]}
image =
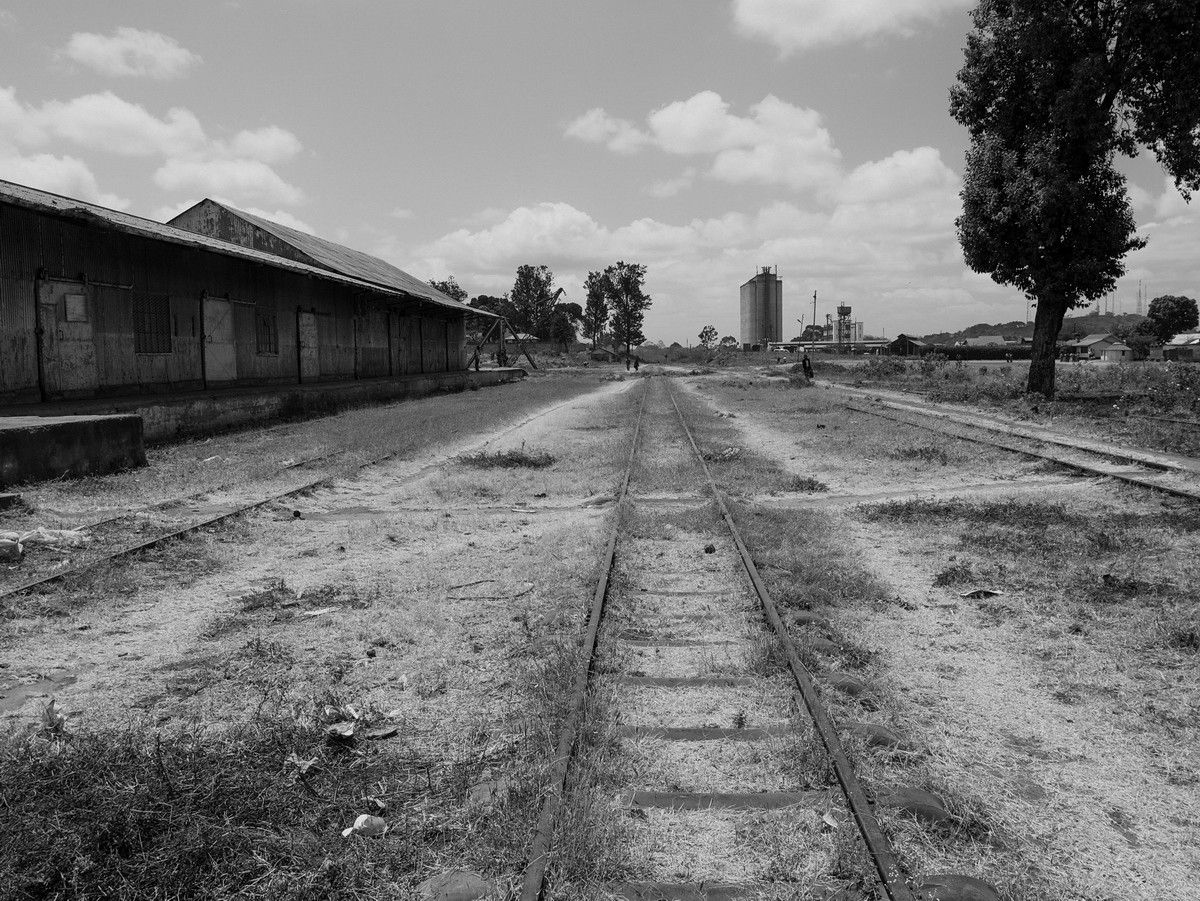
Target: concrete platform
{"points": [[166, 417], [37, 448]]}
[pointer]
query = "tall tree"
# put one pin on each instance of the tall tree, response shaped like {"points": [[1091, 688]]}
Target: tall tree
{"points": [[501, 306], [1169, 315], [595, 311], [533, 299], [1051, 91], [708, 336], [563, 323], [450, 288], [623, 287]]}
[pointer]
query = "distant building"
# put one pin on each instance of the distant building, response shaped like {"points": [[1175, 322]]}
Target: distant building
{"points": [[906, 346], [986, 341], [762, 309], [1117, 353], [1184, 348], [1090, 345]]}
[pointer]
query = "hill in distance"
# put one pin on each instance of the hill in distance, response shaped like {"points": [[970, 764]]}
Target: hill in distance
{"points": [[1073, 327]]}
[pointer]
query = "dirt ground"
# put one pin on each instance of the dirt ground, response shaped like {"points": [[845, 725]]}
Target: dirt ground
{"points": [[1062, 733]]}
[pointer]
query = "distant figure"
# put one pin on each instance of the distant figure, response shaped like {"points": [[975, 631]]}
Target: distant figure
{"points": [[806, 365], [636, 363], [627, 364]]}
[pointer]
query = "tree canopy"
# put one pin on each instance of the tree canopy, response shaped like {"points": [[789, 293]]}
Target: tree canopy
{"points": [[627, 301], [450, 288], [708, 336], [595, 311], [1169, 315], [729, 341], [1051, 91], [532, 299]]}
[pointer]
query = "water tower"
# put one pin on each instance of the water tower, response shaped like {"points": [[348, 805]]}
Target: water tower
{"points": [[762, 309], [844, 333]]}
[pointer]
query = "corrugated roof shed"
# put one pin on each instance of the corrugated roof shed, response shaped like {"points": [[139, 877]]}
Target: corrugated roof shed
{"points": [[327, 254], [44, 201]]}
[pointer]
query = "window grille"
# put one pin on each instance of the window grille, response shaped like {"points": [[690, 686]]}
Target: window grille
{"points": [[266, 332], [151, 323]]}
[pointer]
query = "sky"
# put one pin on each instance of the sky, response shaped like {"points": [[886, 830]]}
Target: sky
{"points": [[704, 139]]}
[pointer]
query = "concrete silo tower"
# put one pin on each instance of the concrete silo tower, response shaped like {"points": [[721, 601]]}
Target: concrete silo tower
{"points": [[762, 309]]}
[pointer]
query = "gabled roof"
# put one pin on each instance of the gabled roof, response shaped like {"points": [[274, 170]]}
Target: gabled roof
{"points": [[90, 213], [1088, 340], [985, 340], [909, 338], [206, 218], [1183, 339]]}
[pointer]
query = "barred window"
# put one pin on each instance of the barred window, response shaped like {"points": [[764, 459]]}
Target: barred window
{"points": [[266, 333], [151, 323]]}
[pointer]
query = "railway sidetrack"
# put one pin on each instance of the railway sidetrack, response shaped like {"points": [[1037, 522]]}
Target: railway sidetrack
{"points": [[173, 523], [1170, 474]]}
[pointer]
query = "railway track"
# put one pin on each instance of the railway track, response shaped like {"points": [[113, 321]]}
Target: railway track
{"points": [[1170, 474], [171, 527], [712, 734]]}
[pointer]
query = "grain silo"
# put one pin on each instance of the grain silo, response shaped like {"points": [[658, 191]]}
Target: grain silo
{"points": [[762, 309]]}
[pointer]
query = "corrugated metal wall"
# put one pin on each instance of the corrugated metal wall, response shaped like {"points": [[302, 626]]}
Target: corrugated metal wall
{"points": [[353, 332]]}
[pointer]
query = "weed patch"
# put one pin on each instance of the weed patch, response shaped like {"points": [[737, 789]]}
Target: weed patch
{"points": [[510, 459], [927, 453]]}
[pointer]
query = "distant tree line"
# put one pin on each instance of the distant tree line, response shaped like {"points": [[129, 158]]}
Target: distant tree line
{"points": [[613, 311]]}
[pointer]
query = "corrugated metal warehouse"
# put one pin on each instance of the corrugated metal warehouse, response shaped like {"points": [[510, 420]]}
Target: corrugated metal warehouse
{"points": [[95, 302]]}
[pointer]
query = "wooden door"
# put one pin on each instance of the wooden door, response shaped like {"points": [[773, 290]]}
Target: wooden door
{"points": [[68, 345], [309, 346], [220, 353]]}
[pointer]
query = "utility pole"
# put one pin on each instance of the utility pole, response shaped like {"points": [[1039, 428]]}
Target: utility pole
{"points": [[812, 342]]}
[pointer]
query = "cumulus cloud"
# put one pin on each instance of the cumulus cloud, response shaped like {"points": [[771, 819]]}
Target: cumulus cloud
{"points": [[597, 126], [875, 236], [669, 187], [64, 175], [777, 143], [802, 24], [240, 177], [1170, 203], [130, 51], [106, 123]]}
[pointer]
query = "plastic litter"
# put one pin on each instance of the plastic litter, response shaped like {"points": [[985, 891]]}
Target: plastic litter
{"points": [[366, 825]]}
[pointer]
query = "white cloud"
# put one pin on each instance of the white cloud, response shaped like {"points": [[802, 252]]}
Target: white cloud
{"points": [[1171, 203], [240, 177], [64, 175], [107, 123], [271, 144], [802, 24], [130, 51], [778, 143], [597, 126], [402, 213], [241, 166], [671, 186]]}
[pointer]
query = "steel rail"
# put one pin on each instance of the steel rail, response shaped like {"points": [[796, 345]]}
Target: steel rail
{"points": [[877, 844], [174, 533], [149, 543], [1037, 455], [150, 508], [535, 870]]}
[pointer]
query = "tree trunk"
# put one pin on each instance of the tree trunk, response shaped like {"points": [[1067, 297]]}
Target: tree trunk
{"points": [[1047, 323]]}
